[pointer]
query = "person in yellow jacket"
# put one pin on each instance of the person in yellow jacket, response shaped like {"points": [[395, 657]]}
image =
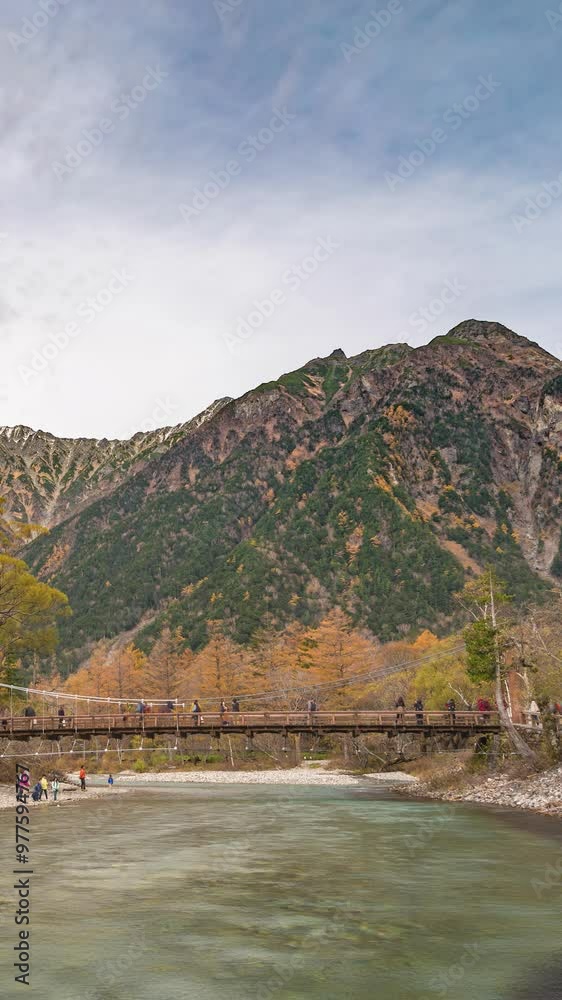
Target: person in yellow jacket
{"points": [[44, 787]]}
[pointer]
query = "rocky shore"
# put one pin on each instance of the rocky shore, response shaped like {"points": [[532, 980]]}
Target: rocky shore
{"points": [[539, 792]]}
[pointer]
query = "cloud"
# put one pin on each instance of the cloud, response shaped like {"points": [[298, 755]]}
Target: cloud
{"points": [[323, 176]]}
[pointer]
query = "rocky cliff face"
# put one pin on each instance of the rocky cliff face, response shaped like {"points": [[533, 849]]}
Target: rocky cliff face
{"points": [[373, 483], [46, 479]]}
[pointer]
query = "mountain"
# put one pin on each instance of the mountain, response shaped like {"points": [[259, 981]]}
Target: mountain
{"points": [[374, 483], [46, 479]]}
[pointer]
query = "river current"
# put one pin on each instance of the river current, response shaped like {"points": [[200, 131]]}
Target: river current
{"points": [[282, 893]]}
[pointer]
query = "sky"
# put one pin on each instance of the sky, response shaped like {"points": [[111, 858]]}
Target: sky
{"points": [[199, 195]]}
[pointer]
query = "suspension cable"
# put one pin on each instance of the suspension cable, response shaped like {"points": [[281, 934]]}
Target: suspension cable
{"points": [[373, 674]]}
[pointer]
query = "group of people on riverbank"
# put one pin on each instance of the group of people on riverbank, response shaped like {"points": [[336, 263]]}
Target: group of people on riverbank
{"points": [[41, 788]]}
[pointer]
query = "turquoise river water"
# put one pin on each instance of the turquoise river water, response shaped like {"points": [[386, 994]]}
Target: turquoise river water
{"points": [[280, 893]]}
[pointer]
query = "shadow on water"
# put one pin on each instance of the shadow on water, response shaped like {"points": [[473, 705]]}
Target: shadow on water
{"points": [[542, 984]]}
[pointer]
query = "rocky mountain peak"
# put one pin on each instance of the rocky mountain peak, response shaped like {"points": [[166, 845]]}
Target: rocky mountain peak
{"points": [[374, 483]]}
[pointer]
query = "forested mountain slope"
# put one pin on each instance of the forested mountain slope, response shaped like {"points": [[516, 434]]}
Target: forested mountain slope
{"points": [[374, 484]]}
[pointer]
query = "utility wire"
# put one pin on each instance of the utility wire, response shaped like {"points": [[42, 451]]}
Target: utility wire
{"points": [[373, 674]]}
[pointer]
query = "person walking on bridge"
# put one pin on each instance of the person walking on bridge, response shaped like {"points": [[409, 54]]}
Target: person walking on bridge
{"points": [[312, 706], [534, 712], [196, 712], [483, 708], [418, 707], [82, 776], [61, 714], [400, 705], [451, 707], [235, 705], [30, 713]]}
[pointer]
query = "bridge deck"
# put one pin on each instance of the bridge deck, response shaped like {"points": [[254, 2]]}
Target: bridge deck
{"points": [[185, 723]]}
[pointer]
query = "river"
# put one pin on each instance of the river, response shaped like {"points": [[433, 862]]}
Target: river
{"points": [[281, 893]]}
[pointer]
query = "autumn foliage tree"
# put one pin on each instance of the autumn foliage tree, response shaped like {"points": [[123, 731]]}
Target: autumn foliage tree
{"points": [[279, 664], [29, 611], [335, 652], [218, 669], [166, 666]]}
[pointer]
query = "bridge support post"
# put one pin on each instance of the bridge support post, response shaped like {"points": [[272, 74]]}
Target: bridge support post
{"points": [[297, 747], [517, 695]]}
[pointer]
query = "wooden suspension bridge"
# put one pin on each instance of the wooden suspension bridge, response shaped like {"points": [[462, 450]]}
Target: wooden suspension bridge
{"points": [[183, 724]]}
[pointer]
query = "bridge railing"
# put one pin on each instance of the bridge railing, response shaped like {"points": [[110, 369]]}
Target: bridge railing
{"points": [[172, 721]]}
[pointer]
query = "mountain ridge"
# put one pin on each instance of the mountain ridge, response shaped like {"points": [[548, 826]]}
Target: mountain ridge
{"points": [[374, 483], [75, 470]]}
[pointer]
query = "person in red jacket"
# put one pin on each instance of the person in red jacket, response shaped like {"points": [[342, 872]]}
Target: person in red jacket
{"points": [[82, 776], [484, 708]]}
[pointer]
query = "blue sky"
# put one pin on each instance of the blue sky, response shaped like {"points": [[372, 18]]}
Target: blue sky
{"points": [[182, 225]]}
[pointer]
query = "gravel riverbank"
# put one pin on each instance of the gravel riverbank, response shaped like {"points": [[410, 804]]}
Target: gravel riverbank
{"points": [[68, 794], [540, 792], [303, 775], [127, 781]]}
